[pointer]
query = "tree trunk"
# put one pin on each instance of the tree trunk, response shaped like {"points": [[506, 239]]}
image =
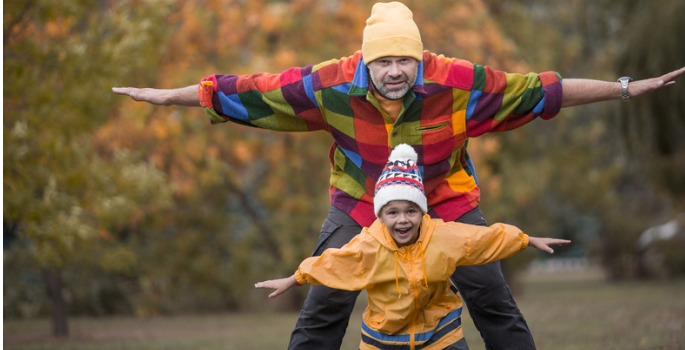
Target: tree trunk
{"points": [[55, 291]]}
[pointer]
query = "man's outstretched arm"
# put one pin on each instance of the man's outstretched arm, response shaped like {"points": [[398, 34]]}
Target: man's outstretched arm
{"points": [[185, 96], [584, 91]]}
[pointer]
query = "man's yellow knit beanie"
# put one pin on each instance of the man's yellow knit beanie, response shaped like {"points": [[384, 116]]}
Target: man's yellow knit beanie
{"points": [[391, 31]]}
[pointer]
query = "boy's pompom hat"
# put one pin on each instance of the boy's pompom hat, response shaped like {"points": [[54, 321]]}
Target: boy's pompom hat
{"points": [[391, 31], [400, 180]]}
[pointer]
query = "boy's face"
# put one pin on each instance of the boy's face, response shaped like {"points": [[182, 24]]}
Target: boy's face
{"points": [[403, 220]]}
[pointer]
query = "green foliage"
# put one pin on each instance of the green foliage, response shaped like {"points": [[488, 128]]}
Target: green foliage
{"points": [[64, 201]]}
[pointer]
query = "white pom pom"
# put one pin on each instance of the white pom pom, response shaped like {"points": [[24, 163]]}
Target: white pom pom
{"points": [[403, 151]]}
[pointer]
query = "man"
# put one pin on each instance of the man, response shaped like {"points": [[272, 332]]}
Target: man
{"points": [[388, 93]]}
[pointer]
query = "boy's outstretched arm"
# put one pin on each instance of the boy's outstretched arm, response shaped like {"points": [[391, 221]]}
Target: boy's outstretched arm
{"points": [[279, 285], [544, 243]]}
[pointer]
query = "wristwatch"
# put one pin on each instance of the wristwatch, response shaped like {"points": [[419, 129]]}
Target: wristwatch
{"points": [[625, 96]]}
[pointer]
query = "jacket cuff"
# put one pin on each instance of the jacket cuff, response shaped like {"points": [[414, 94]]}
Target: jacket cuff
{"points": [[553, 93], [524, 240], [213, 116], [299, 278], [205, 91]]}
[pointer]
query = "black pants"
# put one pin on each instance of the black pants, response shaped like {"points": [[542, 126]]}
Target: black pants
{"points": [[326, 312]]}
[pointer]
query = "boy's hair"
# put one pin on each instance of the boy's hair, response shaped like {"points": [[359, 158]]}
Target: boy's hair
{"points": [[401, 180]]}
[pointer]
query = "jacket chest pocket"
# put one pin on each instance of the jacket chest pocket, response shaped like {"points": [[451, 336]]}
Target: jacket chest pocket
{"points": [[438, 140], [434, 133], [432, 127]]}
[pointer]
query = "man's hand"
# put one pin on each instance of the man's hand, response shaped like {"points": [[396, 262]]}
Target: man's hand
{"points": [[186, 96], [640, 87]]}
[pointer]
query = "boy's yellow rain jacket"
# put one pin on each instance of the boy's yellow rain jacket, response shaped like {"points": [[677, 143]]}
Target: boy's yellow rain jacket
{"points": [[410, 302]]}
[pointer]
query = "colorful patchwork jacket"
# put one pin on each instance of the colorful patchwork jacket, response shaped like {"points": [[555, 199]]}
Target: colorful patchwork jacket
{"points": [[410, 303], [451, 101]]}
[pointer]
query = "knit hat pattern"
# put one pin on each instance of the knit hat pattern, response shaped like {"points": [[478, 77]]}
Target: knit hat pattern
{"points": [[400, 180], [391, 31]]}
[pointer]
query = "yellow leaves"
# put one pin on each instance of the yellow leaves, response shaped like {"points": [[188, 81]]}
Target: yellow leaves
{"points": [[57, 28], [466, 29], [119, 260], [114, 211], [274, 17], [285, 58], [164, 128], [242, 151], [58, 235]]}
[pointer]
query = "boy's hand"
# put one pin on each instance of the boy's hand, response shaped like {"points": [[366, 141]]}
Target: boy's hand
{"points": [[544, 243], [279, 285]]}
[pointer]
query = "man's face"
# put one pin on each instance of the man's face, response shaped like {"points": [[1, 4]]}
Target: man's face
{"points": [[393, 76], [403, 220]]}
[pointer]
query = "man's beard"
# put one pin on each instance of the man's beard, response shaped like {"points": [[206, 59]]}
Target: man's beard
{"points": [[392, 94]]}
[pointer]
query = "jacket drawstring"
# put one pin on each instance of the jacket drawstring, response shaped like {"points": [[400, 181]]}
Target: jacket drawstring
{"points": [[423, 261], [397, 276]]}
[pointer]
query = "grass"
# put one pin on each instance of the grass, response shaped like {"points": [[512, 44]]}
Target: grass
{"points": [[565, 312]]}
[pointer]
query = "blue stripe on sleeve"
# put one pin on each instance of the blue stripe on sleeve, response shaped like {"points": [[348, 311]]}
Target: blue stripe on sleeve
{"points": [[537, 110], [232, 106], [473, 101], [309, 89]]}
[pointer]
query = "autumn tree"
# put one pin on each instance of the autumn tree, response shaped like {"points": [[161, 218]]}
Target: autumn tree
{"points": [[592, 173], [69, 208]]}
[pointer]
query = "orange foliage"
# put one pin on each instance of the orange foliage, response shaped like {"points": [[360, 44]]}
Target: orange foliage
{"points": [[242, 151], [240, 37]]}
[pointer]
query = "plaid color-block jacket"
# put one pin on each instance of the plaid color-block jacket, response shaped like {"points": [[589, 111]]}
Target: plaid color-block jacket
{"points": [[451, 101]]}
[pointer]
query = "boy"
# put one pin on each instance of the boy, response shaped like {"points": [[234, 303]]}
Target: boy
{"points": [[405, 259]]}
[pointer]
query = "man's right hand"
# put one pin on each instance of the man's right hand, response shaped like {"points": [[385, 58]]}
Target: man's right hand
{"points": [[186, 96]]}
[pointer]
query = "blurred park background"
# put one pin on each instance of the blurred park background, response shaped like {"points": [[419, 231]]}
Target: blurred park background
{"points": [[120, 214]]}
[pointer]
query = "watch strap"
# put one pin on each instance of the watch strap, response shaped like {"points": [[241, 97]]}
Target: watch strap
{"points": [[625, 94]]}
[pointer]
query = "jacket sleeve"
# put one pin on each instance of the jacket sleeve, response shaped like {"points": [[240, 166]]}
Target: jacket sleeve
{"points": [[501, 101], [281, 102], [480, 244], [348, 268]]}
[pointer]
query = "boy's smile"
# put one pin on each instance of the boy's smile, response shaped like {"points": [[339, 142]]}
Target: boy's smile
{"points": [[403, 220]]}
